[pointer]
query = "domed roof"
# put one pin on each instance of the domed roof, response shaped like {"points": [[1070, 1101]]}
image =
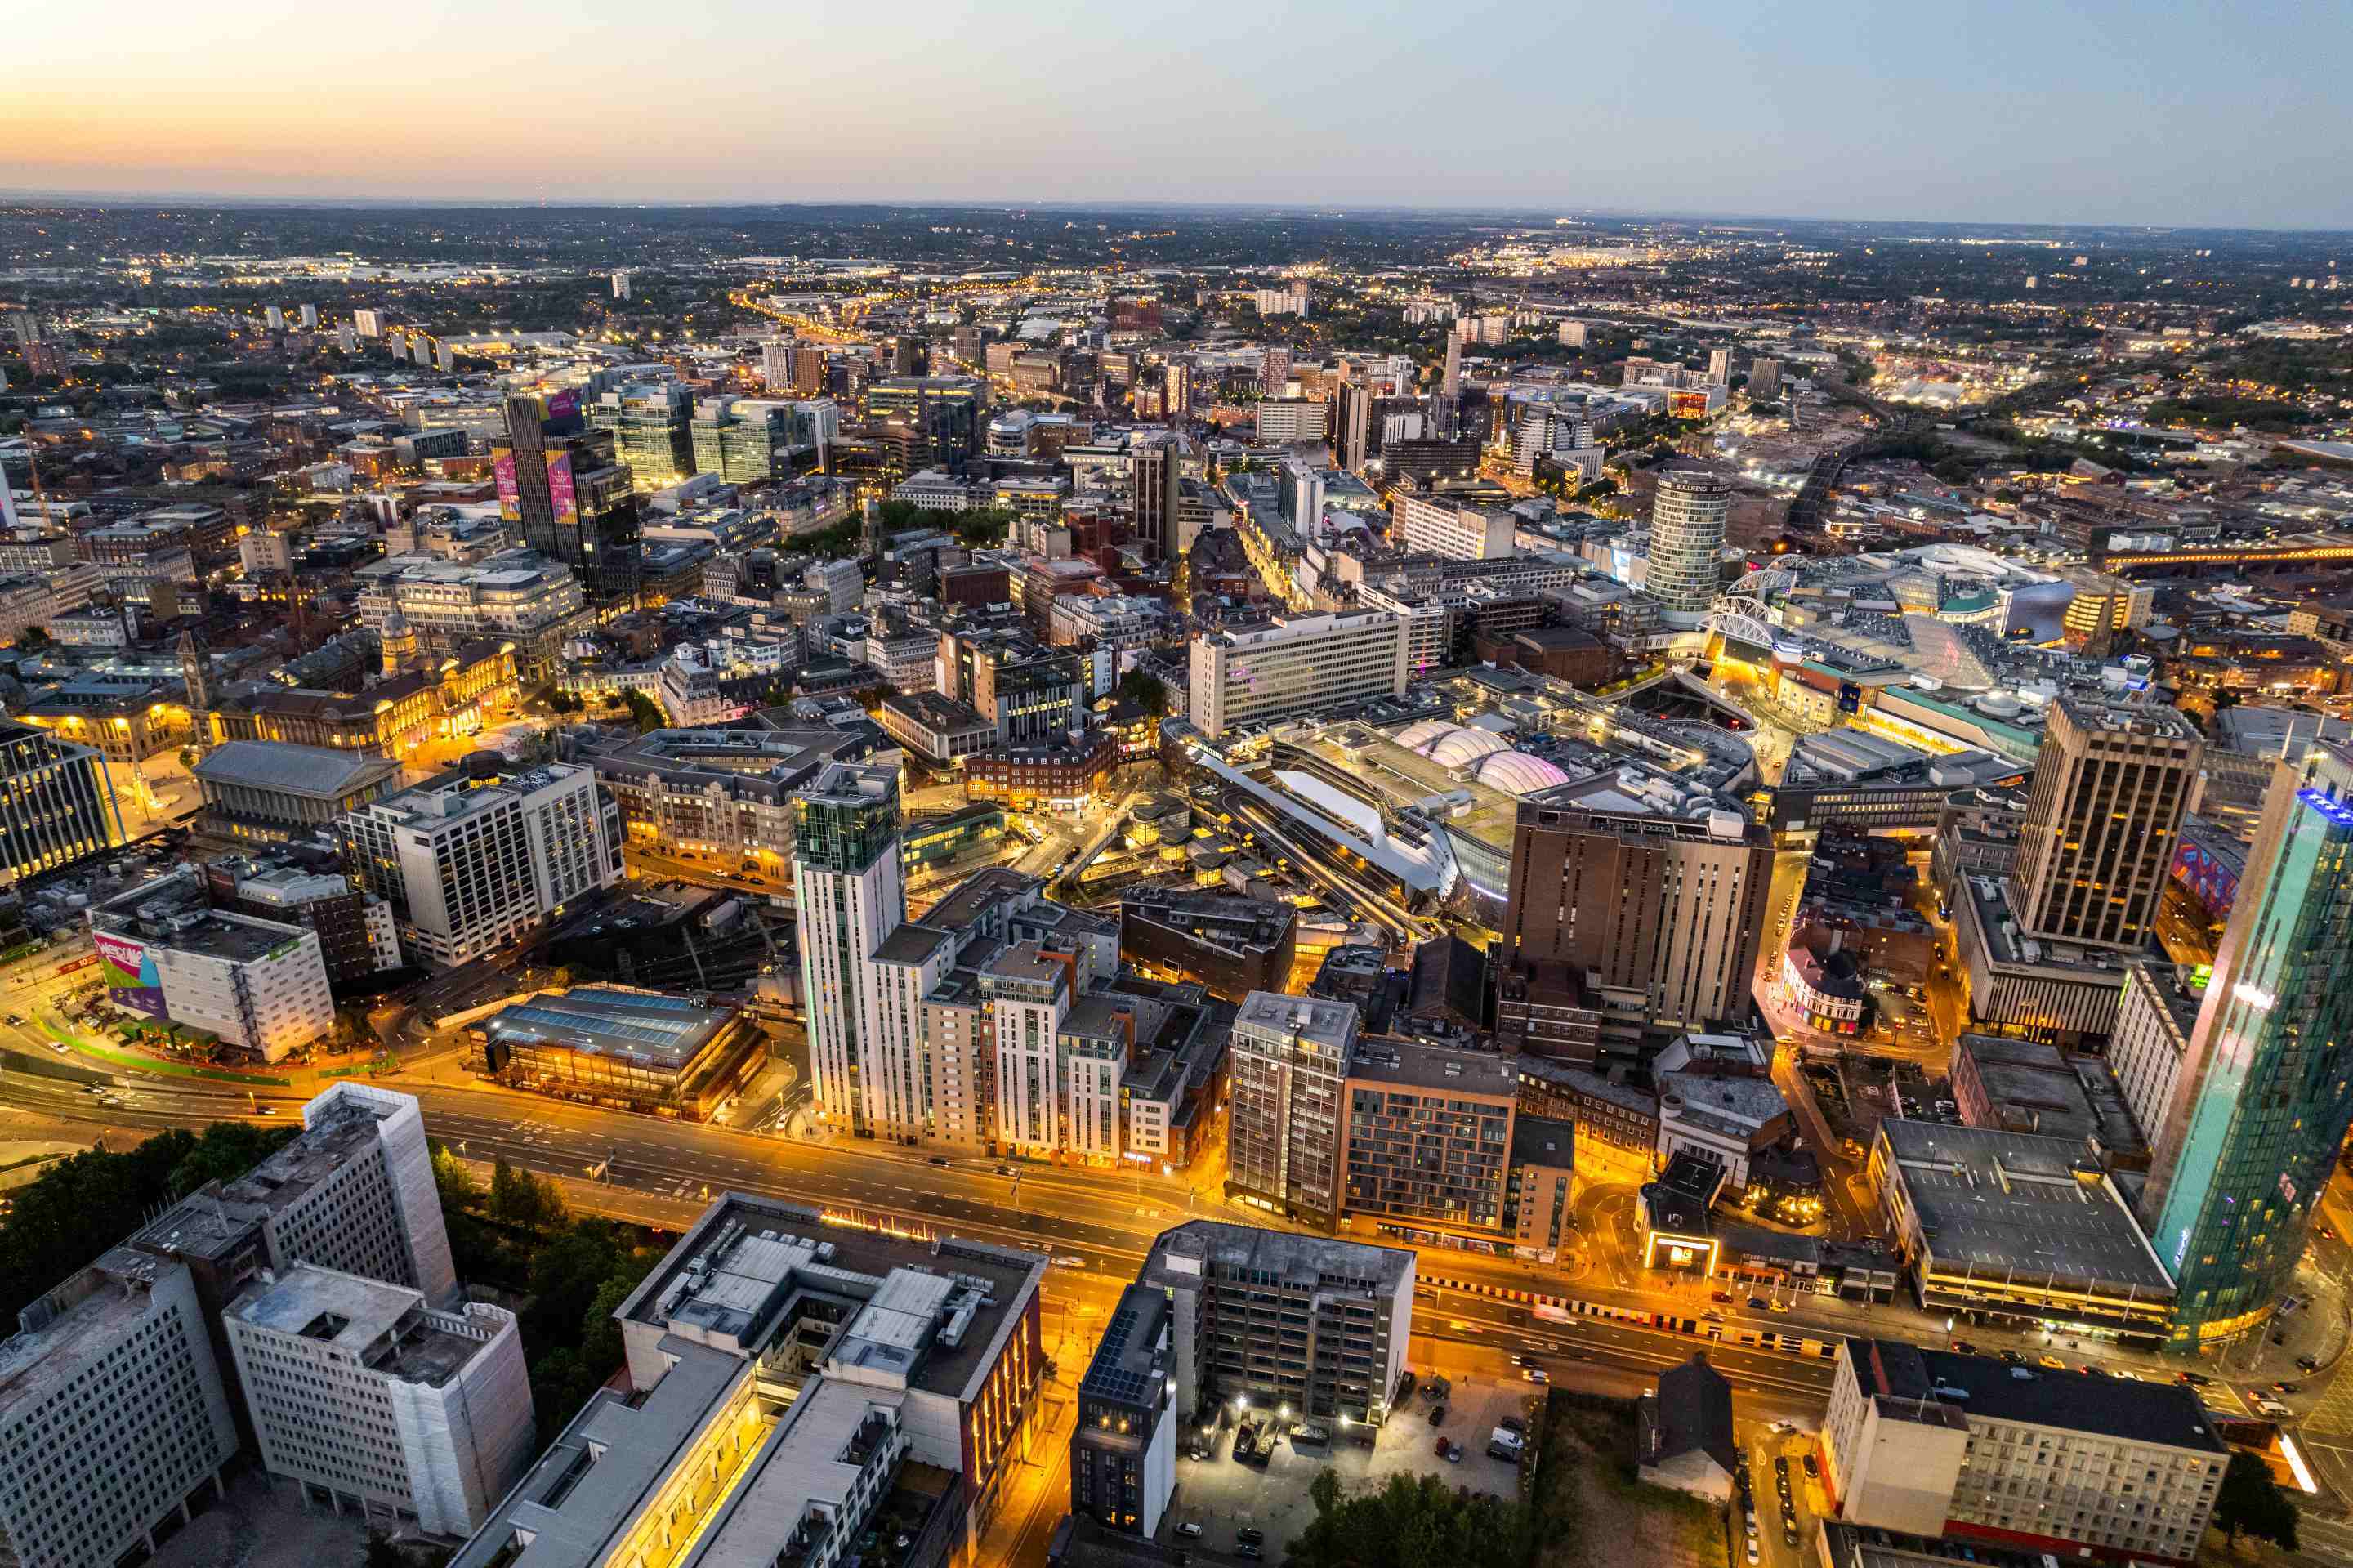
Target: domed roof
{"points": [[1465, 746], [1417, 735], [1517, 773]]}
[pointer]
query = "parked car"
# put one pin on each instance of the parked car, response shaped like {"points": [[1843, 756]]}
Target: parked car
{"points": [[1963, 1347], [1246, 1549], [1187, 1529], [1756, 1303], [939, 1159], [2054, 1362], [1438, 1414], [2307, 1364], [2283, 1388], [2014, 1357], [1813, 1469], [1250, 1535]]}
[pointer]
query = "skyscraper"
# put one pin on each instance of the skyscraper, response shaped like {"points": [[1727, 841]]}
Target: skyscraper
{"points": [[1451, 386], [572, 497], [2266, 1091], [2111, 781], [1153, 473], [1352, 421], [1687, 521], [1719, 366], [1289, 1060], [1274, 371], [850, 894], [1764, 376]]}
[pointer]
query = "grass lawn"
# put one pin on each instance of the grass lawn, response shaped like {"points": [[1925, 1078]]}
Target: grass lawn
{"points": [[131, 1063]]}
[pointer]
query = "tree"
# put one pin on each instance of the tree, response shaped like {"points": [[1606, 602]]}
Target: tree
{"points": [[647, 712], [380, 1552], [1144, 691], [511, 1195], [2250, 1502]]}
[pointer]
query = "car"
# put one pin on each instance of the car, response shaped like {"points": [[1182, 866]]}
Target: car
{"points": [[1722, 1298], [1454, 1453], [1438, 1446], [1523, 1361], [939, 1159], [1752, 1549], [2283, 1388], [1756, 1303], [1712, 1316], [2307, 1363], [2088, 1369], [1188, 1529], [1512, 1423], [2325, 1233], [1247, 1549], [1813, 1469], [1004, 1171], [1780, 1461], [2054, 1362], [1789, 1536], [1067, 1261], [1751, 1519], [1780, 1306], [2195, 1380], [1535, 1374], [1438, 1415], [266, 1111], [2126, 1373], [1963, 1347], [1250, 1535]]}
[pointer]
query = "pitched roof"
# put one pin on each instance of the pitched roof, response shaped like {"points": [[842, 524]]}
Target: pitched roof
{"points": [[1692, 1411], [318, 770]]}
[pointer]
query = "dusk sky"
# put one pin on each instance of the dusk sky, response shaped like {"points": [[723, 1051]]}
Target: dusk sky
{"points": [[2164, 112]]}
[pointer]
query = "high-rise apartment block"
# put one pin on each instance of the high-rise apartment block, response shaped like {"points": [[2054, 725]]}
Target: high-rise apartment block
{"points": [[1687, 527], [360, 1389], [1764, 376], [469, 866], [1287, 1065], [1274, 1320], [850, 890], [1628, 896], [2111, 782], [2262, 1100], [1154, 486], [2072, 1465], [1294, 664]]}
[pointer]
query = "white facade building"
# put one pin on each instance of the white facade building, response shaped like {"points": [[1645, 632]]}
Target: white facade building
{"points": [[467, 870], [360, 1390], [1447, 528], [111, 1413], [1296, 663], [255, 983]]}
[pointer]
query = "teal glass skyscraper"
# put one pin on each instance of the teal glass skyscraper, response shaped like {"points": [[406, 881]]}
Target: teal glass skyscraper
{"points": [[2266, 1085]]}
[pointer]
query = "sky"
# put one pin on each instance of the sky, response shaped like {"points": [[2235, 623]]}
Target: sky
{"points": [[2165, 111]]}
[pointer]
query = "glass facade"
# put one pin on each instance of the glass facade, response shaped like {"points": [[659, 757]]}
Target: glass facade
{"points": [[2273, 1093]]}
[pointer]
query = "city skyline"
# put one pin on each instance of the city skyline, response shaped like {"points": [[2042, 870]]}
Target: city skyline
{"points": [[1992, 115]]}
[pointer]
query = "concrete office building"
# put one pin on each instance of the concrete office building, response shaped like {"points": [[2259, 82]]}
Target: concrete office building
{"points": [[57, 803], [1230, 944], [851, 890], [1287, 1064], [2019, 1230], [531, 600], [1124, 1449], [2261, 1104], [1292, 665], [257, 984], [2111, 782], [1451, 529], [362, 1393], [2155, 1021], [2071, 1465], [1426, 1141], [468, 867], [1687, 524], [1271, 1319], [791, 1377], [1669, 905], [1286, 421], [112, 1415]]}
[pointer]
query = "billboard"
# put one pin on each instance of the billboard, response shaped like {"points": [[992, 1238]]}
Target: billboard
{"points": [[564, 411], [502, 471], [559, 488], [131, 976]]}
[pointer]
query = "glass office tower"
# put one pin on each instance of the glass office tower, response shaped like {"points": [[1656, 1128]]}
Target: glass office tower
{"points": [[2266, 1087]]}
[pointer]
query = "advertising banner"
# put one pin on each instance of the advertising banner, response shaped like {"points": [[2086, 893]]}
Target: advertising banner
{"points": [[564, 410], [502, 471], [129, 973], [559, 488]]}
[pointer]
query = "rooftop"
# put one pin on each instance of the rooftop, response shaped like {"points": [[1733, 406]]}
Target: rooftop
{"points": [[320, 772], [1182, 1257], [1271, 1013], [2162, 1412], [1128, 1363], [927, 1313], [85, 1316], [385, 1327], [1412, 1064], [644, 1028], [2020, 1205]]}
